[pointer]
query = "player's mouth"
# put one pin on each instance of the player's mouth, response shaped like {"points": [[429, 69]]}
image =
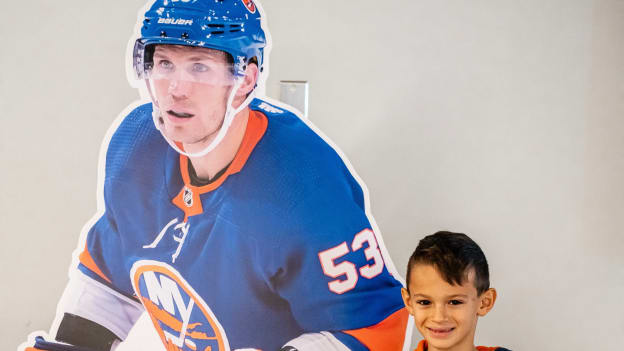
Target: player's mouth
{"points": [[440, 332], [179, 114]]}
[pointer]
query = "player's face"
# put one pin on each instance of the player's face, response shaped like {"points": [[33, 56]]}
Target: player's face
{"points": [[191, 86], [446, 315]]}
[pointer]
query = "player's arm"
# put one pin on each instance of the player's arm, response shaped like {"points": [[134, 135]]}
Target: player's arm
{"points": [[93, 313], [91, 316], [325, 341], [41, 344], [336, 275], [350, 300], [89, 337], [389, 334]]}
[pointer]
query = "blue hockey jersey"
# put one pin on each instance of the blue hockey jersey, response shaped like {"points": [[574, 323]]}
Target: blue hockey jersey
{"points": [[278, 246]]}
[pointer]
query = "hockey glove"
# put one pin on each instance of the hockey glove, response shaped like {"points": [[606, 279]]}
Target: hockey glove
{"points": [[42, 345]]}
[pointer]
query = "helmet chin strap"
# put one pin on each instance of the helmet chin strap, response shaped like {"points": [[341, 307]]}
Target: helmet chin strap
{"points": [[230, 113]]}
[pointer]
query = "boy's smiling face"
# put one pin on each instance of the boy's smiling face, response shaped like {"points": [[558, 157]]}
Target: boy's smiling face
{"points": [[446, 315]]}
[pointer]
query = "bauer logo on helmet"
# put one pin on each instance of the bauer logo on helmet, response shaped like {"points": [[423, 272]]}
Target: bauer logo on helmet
{"points": [[180, 21]]}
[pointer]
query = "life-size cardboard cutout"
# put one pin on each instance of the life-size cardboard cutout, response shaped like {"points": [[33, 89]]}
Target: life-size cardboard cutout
{"points": [[275, 248]]}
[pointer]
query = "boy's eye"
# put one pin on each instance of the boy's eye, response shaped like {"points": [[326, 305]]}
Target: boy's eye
{"points": [[423, 302], [456, 302]]}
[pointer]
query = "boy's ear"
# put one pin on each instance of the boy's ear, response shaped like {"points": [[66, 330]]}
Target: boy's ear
{"points": [[486, 301], [405, 295]]}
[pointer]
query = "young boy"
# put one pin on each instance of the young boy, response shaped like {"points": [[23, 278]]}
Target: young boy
{"points": [[448, 289]]}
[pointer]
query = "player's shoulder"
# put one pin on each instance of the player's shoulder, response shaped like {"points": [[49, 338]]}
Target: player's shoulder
{"points": [[291, 143], [136, 123], [134, 140], [271, 108], [299, 170], [292, 149], [284, 124]]}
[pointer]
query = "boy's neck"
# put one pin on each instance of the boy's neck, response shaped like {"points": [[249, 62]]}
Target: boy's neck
{"points": [[423, 346]]}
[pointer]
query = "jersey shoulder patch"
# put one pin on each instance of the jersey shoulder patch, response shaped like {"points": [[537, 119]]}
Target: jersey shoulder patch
{"points": [[266, 107]]}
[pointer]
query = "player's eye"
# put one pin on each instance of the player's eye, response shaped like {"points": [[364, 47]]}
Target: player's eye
{"points": [[165, 65], [456, 302], [200, 68], [423, 302]]}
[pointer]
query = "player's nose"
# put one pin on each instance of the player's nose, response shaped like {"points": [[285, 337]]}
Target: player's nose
{"points": [[179, 88]]}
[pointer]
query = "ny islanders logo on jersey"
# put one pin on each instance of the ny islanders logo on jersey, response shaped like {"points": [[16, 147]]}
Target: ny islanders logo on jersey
{"points": [[181, 317]]}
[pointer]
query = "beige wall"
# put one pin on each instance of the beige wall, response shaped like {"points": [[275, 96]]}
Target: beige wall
{"points": [[501, 119]]}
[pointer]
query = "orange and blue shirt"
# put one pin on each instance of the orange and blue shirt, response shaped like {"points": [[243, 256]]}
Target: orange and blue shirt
{"points": [[278, 246], [422, 346]]}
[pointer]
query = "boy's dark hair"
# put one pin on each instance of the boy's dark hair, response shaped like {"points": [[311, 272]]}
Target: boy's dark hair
{"points": [[453, 255]]}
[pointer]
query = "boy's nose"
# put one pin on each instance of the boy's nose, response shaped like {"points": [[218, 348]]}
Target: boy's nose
{"points": [[439, 313]]}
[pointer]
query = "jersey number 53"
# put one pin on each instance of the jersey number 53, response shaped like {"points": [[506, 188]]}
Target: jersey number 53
{"points": [[346, 270]]}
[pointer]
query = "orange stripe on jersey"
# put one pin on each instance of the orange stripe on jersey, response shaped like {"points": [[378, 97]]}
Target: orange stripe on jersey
{"points": [[485, 348], [86, 259], [387, 335], [256, 126], [170, 346], [195, 207]]}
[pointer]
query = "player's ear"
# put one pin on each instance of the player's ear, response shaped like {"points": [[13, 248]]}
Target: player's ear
{"points": [[406, 300], [247, 85], [249, 80], [486, 301]]}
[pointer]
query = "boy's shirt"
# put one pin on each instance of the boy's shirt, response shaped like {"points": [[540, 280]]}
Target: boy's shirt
{"points": [[422, 346]]}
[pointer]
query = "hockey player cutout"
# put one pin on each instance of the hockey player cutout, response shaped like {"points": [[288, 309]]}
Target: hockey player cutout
{"points": [[448, 289], [234, 223]]}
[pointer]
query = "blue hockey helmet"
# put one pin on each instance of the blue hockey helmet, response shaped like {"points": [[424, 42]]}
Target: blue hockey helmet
{"points": [[232, 26]]}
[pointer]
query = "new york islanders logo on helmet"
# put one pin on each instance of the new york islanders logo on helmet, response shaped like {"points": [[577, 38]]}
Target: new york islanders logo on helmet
{"points": [[181, 317], [250, 5]]}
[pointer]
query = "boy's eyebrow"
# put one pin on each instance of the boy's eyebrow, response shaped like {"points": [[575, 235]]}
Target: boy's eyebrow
{"points": [[459, 295], [447, 297], [420, 295]]}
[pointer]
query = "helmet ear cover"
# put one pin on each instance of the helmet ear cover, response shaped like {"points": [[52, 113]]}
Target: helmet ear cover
{"points": [[148, 58]]}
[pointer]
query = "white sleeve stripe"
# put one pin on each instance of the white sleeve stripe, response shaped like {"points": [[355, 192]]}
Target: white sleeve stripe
{"points": [[94, 301], [79, 275], [317, 341]]}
